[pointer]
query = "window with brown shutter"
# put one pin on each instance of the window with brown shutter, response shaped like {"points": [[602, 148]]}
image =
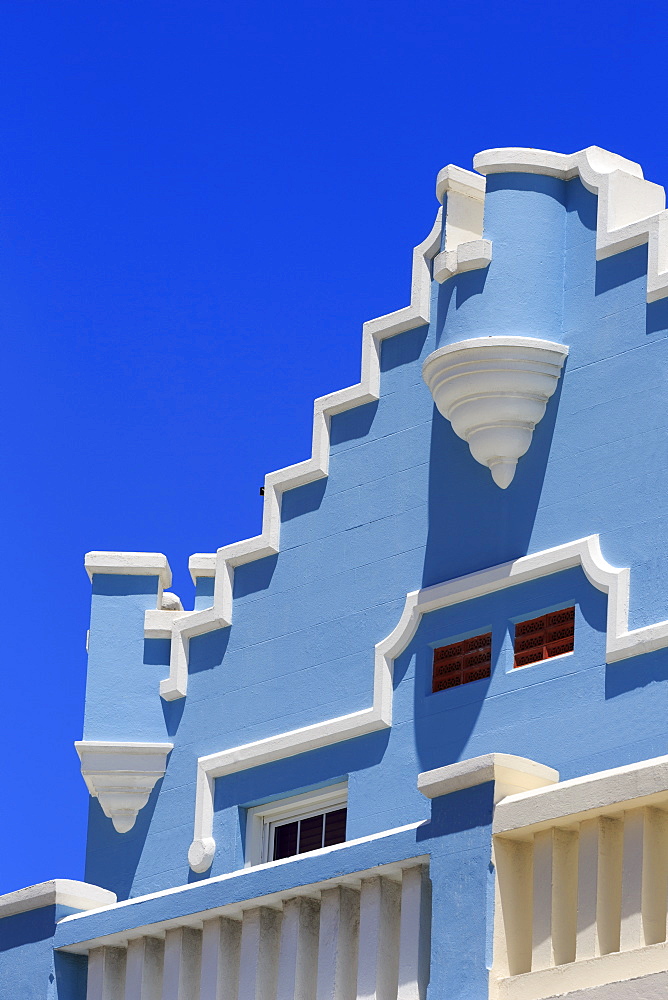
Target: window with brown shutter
{"points": [[541, 638], [462, 662]]}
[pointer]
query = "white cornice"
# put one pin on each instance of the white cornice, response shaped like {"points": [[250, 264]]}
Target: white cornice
{"points": [[509, 773], [585, 552], [57, 892], [129, 564], [642, 783], [631, 210]]}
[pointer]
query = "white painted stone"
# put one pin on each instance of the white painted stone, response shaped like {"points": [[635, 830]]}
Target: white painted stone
{"points": [[298, 953], [106, 974], [143, 974], [414, 934], [258, 970], [57, 892], [494, 391], [510, 774], [338, 944], [129, 564], [655, 875], [122, 776], [378, 962], [221, 946], [181, 970]]}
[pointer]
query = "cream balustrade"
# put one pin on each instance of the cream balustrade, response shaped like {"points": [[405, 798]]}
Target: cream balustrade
{"points": [[363, 937], [582, 883]]}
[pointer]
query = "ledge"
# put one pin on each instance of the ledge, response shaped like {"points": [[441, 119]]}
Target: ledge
{"points": [[129, 564], [509, 773], [606, 792], [57, 892]]}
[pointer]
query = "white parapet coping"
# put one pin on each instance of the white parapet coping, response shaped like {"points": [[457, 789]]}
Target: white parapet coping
{"points": [[604, 793], [129, 564], [509, 773], [56, 892]]}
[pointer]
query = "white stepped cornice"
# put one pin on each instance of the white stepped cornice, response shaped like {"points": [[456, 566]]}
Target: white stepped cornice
{"points": [[631, 210], [620, 643], [182, 626], [122, 776]]}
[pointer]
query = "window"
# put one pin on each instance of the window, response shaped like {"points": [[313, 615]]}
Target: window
{"points": [[288, 827], [308, 834], [544, 637], [461, 662]]}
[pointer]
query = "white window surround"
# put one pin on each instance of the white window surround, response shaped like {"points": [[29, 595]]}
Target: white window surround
{"points": [[261, 820]]}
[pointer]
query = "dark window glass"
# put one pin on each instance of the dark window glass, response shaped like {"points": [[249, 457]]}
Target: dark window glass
{"points": [[541, 638], [335, 827], [285, 840], [310, 833], [462, 662]]}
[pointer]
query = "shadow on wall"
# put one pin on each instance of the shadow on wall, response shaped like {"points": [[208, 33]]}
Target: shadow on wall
{"points": [[112, 858], [473, 524]]}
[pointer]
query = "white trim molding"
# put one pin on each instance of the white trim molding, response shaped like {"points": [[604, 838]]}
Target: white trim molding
{"points": [[129, 564], [56, 892], [509, 773], [465, 249], [494, 390], [620, 644], [631, 210], [122, 776]]}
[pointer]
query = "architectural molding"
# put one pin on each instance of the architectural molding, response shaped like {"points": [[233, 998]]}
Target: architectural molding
{"points": [[509, 773], [464, 248], [129, 564], [494, 390], [122, 776], [57, 892], [585, 553], [633, 786], [631, 210]]}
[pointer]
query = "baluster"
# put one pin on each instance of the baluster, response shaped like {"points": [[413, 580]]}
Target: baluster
{"points": [[587, 936], [609, 902], [378, 968], [514, 868], [298, 952], [415, 933], [106, 974], [541, 938], [258, 966], [631, 932], [221, 941], [564, 895], [338, 944], [181, 970], [143, 975], [655, 875]]}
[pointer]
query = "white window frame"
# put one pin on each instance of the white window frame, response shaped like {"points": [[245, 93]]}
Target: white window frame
{"points": [[262, 820]]}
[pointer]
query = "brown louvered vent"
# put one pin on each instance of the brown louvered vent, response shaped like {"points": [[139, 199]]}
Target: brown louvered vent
{"points": [[544, 637], [461, 662]]}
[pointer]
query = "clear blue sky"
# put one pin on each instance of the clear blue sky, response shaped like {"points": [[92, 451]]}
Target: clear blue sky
{"points": [[200, 203]]}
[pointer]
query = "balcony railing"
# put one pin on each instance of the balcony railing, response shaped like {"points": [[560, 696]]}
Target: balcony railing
{"points": [[363, 935], [582, 886]]}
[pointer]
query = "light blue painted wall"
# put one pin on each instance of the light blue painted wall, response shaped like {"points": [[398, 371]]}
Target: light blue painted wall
{"points": [[406, 506], [29, 968]]}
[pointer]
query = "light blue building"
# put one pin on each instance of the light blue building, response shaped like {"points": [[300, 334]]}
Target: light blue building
{"points": [[409, 744]]}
